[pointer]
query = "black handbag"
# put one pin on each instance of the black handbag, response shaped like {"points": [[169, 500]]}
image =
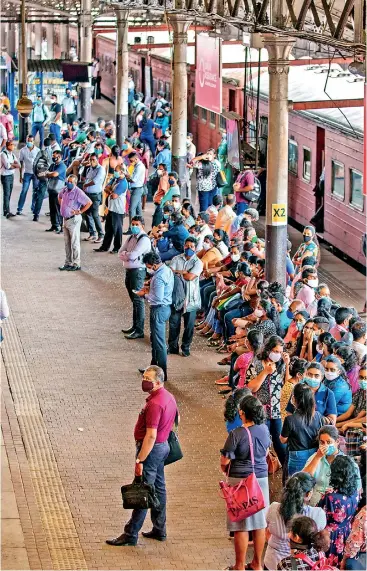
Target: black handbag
{"points": [[175, 451], [139, 495]]}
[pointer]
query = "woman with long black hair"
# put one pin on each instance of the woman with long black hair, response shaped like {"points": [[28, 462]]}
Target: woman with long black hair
{"points": [[206, 178]]}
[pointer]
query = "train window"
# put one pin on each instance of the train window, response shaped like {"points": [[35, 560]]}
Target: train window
{"points": [[252, 134], [204, 114], [263, 127], [306, 171], [222, 123], [337, 179], [213, 119], [356, 194], [160, 85], [293, 157], [167, 90], [232, 100]]}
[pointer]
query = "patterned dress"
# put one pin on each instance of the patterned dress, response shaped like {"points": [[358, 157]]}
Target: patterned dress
{"points": [[270, 391], [340, 511]]}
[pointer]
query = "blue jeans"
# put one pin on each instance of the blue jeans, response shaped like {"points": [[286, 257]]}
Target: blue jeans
{"points": [[56, 130], [151, 142], [136, 208], [169, 254], [241, 207], [7, 182], [159, 315], [229, 328], [38, 128], [39, 196], [356, 563], [297, 460], [206, 199], [153, 473], [275, 428], [27, 178]]}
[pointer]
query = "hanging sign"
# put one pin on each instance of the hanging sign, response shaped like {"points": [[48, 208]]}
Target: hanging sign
{"points": [[278, 214], [208, 76]]}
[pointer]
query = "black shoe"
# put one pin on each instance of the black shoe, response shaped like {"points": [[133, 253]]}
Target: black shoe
{"points": [[153, 535], [19, 213], [99, 250], [134, 335], [114, 252], [10, 215], [73, 268], [52, 229], [122, 540], [63, 268], [173, 351], [60, 231], [141, 371], [127, 331], [185, 353], [35, 218]]}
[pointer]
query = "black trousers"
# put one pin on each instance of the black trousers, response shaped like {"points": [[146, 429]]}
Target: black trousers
{"points": [[92, 214], [7, 182], [134, 279], [175, 328], [113, 231], [55, 216], [40, 195]]}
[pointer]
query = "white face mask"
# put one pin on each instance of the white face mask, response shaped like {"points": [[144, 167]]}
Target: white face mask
{"points": [[150, 271], [176, 205], [313, 283], [206, 246], [258, 312], [331, 376], [159, 172], [275, 357], [319, 348], [235, 257]]}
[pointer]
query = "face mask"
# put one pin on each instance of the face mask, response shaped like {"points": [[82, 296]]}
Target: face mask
{"points": [[75, 127], [116, 174], [166, 216], [176, 205], [206, 246], [147, 386], [70, 185], [319, 348], [331, 449], [313, 383], [290, 314], [307, 238], [363, 383], [258, 312], [235, 257], [124, 147], [275, 357], [39, 103], [135, 230], [98, 151], [56, 160], [331, 376], [189, 252], [29, 144], [299, 325], [315, 336], [313, 283], [68, 95], [171, 181], [159, 172]]}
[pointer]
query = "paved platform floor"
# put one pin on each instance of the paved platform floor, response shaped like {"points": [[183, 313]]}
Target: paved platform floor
{"points": [[71, 395]]}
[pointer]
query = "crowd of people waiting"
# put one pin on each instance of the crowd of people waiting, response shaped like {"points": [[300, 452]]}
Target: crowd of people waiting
{"points": [[296, 375]]}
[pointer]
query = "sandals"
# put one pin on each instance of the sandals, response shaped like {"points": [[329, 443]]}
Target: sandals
{"points": [[224, 361]]}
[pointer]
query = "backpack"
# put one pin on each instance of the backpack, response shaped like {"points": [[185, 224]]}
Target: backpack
{"points": [[179, 292], [321, 565], [221, 179], [41, 164]]}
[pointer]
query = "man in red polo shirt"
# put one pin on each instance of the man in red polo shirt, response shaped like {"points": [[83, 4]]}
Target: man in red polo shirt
{"points": [[151, 432]]}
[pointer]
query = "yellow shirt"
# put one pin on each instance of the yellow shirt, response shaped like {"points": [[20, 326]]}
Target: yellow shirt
{"points": [[224, 220], [285, 396]]}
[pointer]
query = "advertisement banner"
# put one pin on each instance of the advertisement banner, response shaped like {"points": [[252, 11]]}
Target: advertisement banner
{"points": [[208, 76], [233, 148]]}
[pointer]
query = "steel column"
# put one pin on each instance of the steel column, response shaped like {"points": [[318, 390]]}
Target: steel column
{"points": [[122, 76], [85, 51]]}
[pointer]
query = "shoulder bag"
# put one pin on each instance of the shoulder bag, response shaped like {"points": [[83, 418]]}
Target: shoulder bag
{"points": [[139, 495], [245, 498], [321, 564], [175, 451]]}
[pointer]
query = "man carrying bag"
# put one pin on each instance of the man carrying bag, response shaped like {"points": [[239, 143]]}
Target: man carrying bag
{"points": [[152, 431]]}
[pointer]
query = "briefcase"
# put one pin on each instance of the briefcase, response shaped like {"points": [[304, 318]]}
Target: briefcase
{"points": [[139, 495]]}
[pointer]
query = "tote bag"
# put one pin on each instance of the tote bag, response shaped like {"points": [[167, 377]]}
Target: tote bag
{"points": [[245, 498]]}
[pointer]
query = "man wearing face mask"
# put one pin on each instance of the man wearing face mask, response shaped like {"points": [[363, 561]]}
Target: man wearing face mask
{"points": [[56, 175], [342, 318], [164, 155], [27, 157], [163, 188], [73, 202], [40, 116], [69, 107], [173, 190], [159, 296], [132, 253], [93, 188], [321, 291], [137, 181], [116, 192], [279, 302], [189, 268], [151, 432], [202, 221], [56, 121], [310, 282]]}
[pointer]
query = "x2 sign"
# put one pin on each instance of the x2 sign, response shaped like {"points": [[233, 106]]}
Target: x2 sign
{"points": [[208, 77], [278, 214]]}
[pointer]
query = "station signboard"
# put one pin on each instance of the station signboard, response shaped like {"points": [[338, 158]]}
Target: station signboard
{"points": [[208, 77]]}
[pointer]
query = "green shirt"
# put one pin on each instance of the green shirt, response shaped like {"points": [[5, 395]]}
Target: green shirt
{"points": [[110, 143], [81, 136]]}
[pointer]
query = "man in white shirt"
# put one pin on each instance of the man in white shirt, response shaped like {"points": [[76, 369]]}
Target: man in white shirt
{"points": [[226, 215], [56, 120], [8, 164], [69, 107], [202, 221], [40, 116], [137, 181], [3, 136], [27, 157]]}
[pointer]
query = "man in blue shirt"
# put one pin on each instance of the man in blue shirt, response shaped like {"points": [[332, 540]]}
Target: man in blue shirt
{"points": [[93, 188], [176, 235], [159, 296], [116, 203], [56, 175], [324, 397], [164, 155]]}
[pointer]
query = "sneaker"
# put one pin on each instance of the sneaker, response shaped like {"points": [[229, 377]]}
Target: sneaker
{"points": [[47, 214], [19, 213], [52, 229], [98, 240], [10, 215], [73, 268], [90, 238], [60, 231], [35, 218], [64, 267]]}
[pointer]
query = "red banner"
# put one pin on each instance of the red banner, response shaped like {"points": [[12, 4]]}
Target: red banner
{"points": [[208, 77]]}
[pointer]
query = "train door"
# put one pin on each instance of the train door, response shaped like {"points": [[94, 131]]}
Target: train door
{"points": [[318, 219]]}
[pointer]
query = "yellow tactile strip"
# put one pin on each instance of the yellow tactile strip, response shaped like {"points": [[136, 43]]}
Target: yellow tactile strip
{"points": [[60, 532]]}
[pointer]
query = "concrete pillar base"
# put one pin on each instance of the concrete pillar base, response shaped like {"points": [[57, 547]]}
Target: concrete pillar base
{"points": [[85, 105], [276, 251], [179, 165], [122, 126]]}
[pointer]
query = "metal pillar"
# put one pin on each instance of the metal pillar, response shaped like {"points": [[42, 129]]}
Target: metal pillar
{"points": [[23, 72], [277, 168], [180, 24], [11, 39], [38, 40], [148, 78], [85, 51], [50, 41], [122, 76]]}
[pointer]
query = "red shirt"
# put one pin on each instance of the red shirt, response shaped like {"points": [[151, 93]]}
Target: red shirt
{"points": [[159, 412], [244, 179]]}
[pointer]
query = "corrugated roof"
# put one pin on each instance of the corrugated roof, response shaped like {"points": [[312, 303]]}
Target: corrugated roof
{"points": [[45, 65]]}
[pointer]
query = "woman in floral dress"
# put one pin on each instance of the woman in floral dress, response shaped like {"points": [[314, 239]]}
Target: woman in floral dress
{"points": [[340, 506]]}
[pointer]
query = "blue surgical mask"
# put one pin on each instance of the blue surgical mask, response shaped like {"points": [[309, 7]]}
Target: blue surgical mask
{"points": [[171, 181], [189, 252], [166, 216], [116, 174], [307, 238], [29, 144], [313, 383], [290, 314], [70, 185], [39, 102], [363, 384], [315, 336], [300, 325], [135, 229], [331, 449], [124, 147]]}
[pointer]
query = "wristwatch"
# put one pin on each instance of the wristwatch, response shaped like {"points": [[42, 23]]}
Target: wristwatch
{"points": [[138, 461]]}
